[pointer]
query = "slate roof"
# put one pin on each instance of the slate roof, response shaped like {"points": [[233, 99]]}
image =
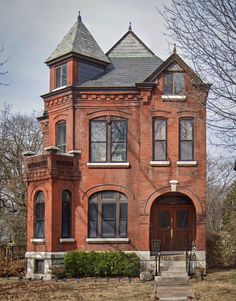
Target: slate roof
{"points": [[132, 62], [126, 72], [80, 41]]}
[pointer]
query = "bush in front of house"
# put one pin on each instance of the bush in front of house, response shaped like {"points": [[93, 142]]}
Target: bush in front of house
{"points": [[101, 264]]}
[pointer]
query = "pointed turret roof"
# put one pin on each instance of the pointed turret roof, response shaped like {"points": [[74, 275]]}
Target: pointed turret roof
{"points": [[130, 45], [79, 41]]}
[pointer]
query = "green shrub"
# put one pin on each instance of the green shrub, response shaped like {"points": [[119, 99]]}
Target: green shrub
{"points": [[102, 264]]}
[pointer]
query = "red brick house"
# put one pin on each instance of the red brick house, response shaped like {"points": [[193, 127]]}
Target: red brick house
{"points": [[124, 159]]}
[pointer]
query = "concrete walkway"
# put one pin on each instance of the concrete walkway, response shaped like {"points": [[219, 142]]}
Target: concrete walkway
{"points": [[173, 292]]}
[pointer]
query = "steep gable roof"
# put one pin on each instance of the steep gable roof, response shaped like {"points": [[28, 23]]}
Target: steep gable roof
{"points": [[79, 41], [130, 45]]}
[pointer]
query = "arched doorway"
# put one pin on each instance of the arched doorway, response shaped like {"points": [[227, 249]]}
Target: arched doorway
{"points": [[173, 222]]}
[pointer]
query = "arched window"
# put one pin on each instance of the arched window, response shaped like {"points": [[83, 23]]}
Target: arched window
{"points": [[39, 215], [61, 136], [66, 214], [108, 212]]}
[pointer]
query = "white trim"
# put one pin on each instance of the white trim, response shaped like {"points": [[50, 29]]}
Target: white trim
{"points": [[108, 165], [74, 152], [160, 163], [40, 241], [173, 97], [59, 88], [67, 240], [107, 240], [65, 154], [186, 163], [43, 255]]}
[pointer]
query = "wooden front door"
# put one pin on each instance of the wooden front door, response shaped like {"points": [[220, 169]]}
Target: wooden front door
{"points": [[173, 225]]}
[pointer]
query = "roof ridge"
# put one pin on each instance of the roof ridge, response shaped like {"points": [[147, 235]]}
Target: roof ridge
{"points": [[149, 52]]}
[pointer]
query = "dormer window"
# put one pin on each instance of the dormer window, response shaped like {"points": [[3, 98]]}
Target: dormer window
{"points": [[61, 76], [173, 80]]}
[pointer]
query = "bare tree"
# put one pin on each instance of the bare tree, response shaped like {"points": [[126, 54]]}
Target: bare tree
{"points": [[2, 63], [219, 179], [18, 133], [205, 32]]}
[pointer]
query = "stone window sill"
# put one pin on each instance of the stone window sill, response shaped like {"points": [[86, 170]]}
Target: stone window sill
{"points": [[107, 240], [186, 163], [108, 165], [38, 241], [67, 240], [173, 97], [160, 163]]}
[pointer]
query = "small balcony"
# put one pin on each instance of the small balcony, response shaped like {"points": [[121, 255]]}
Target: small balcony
{"points": [[51, 165]]}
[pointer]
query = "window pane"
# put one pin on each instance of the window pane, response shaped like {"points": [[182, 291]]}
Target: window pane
{"points": [[108, 228], [186, 129], [119, 130], [119, 152], [160, 150], [93, 211], [164, 219], [39, 229], [123, 197], [93, 229], [58, 77], [174, 67], [93, 219], [39, 266], [64, 75], [39, 211], [168, 83], [182, 219], [160, 129], [123, 211], [179, 83], [123, 228], [186, 150], [98, 152], [108, 211], [61, 136], [66, 218], [98, 131], [108, 195]]}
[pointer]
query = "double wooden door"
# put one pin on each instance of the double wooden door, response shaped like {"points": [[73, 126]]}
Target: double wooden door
{"points": [[173, 225]]}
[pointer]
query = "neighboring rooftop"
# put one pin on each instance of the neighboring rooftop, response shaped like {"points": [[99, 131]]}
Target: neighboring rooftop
{"points": [[79, 41]]}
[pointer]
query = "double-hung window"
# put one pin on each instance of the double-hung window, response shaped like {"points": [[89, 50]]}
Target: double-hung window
{"points": [[159, 139], [61, 136], [108, 140], [61, 76], [39, 215], [108, 215], [186, 148], [66, 214], [173, 80]]}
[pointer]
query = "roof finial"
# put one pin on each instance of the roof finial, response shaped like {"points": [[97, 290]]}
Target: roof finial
{"points": [[79, 17], [174, 49], [130, 26]]}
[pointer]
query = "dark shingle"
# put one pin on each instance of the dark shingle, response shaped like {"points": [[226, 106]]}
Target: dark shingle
{"points": [[79, 40], [126, 72]]}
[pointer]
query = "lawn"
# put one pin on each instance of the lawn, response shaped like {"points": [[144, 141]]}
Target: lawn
{"points": [[218, 285], [85, 290]]}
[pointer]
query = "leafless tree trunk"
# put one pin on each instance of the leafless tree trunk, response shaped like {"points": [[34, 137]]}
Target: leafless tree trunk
{"points": [[219, 179], [18, 133], [2, 63], [205, 32]]}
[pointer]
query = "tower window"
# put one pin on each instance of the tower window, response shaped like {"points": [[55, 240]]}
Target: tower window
{"points": [[61, 136], [61, 76]]}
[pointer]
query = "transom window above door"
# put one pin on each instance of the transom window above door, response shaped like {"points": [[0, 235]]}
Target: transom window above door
{"points": [[108, 140], [173, 80]]}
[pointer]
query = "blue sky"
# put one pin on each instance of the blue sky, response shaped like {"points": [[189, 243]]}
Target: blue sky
{"points": [[31, 30]]}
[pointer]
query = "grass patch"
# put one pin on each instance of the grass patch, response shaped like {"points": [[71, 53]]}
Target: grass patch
{"points": [[85, 290], [218, 285]]}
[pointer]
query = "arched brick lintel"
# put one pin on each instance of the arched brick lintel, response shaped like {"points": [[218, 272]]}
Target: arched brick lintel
{"points": [[104, 187], [166, 189]]}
